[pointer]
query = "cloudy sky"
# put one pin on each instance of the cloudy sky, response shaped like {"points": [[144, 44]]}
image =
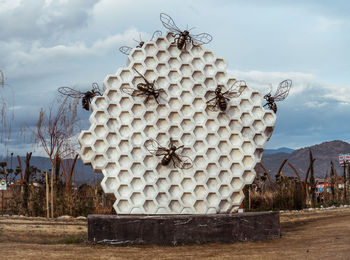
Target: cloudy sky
{"points": [[45, 44]]}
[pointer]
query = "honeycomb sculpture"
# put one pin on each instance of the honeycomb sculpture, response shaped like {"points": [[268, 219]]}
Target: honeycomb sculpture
{"points": [[224, 147]]}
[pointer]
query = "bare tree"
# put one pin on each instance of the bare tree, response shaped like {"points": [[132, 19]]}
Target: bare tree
{"points": [[2, 78], [54, 131]]}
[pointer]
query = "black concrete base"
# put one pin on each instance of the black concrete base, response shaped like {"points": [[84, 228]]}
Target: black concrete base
{"points": [[182, 229]]}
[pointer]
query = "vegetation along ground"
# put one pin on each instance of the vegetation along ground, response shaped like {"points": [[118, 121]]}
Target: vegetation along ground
{"points": [[315, 234]]}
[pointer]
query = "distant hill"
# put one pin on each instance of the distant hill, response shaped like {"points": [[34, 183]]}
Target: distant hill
{"points": [[271, 159], [324, 153], [279, 150]]}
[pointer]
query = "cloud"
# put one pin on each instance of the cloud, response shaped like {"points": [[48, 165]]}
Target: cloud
{"points": [[261, 80], [46, 44], [315, 104], [21, 60], [34, 19]]}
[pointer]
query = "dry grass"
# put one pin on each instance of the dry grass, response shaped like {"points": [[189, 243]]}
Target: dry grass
{"points": [[311, 235]]}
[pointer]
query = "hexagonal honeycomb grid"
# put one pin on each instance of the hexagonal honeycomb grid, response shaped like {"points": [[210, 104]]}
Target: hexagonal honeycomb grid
{"points": [[224, 146]]}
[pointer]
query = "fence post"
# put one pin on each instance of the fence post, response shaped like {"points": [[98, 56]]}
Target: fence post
{"points": [[47, 196]]}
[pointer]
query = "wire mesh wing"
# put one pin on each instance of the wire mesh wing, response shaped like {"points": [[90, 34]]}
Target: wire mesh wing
{"points": [[67, 91], [132, 91], [125, 50], [169, 23], [283, 90], [96, 89], [162, 95], [182, 161], [202, 38], [235, 90], [155, 148], [156, 34], [212, 104]]}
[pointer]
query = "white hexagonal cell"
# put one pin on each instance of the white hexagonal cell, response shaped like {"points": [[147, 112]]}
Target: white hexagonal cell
{"points": [[223, 147]]}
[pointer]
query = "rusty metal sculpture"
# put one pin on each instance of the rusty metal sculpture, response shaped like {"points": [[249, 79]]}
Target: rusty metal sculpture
{"points": [[169, 154], [220, 100], [126, 49], [86, 96], [183, 37], [281, 93]]}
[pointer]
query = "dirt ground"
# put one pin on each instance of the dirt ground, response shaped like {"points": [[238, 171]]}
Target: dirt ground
{"points": [[308, 234]]}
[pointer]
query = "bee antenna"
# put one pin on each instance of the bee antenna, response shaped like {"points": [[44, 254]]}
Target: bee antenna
{"points": [[191, 28], [136, 41], [140, 37], [271, 88]]}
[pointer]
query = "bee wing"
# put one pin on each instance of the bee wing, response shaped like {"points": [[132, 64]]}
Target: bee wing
{"points": [[182, 161], [125, 50], [67, 91], [212, 103], [155, 148], [202, 38], [156, 34], [162, 94], [283, 90], [96, 88], [210, 93], [235, 90], [169, 23], [162, 151], [132, 92]]}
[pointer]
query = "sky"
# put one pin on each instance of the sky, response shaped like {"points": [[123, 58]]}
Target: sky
{"points": [[46, 44]]}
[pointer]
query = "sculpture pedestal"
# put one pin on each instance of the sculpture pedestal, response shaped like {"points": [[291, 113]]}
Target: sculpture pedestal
{"points": [[182, 229]]}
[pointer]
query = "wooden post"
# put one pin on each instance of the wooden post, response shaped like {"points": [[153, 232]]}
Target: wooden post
{"points": [[2, 203], [250, 202], [52, 171], [344, 176], [47, 196], [312, 181], [332, 182]]}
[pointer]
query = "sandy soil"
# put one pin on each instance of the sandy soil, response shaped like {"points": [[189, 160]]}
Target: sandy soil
{"points": [[311, 235]]}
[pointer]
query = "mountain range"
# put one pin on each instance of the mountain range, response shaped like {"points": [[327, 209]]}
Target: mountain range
{"points": [[324, 153], [271, 159]]}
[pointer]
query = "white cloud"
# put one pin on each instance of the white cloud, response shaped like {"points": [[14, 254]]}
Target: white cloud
{"points": [[23, 60], [324, 24], [338, 93], [8, 5], [262, 80], [34, 19], [315, 104]]}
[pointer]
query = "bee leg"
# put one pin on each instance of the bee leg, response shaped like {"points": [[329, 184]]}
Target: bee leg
{"points": [[173, 161], [156, 95], [175, 39], [192, 42], [146, 99]]}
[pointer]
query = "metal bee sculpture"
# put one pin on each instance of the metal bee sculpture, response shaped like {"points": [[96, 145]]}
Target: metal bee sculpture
{"points": [[220, 99], [281, 93], [126, 49], [146, 90], [86, 96], [170, 154], [183, 37]]}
